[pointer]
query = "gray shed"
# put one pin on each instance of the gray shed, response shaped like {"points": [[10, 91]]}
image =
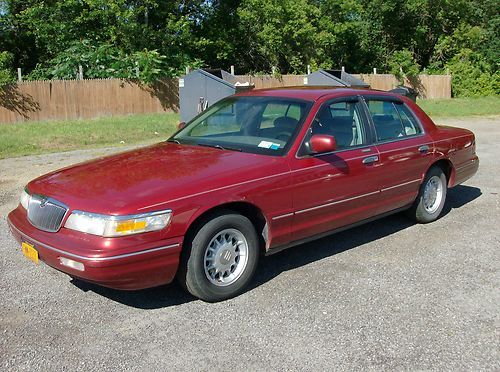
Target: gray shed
{"points": [[335, 78], [203, 87]]}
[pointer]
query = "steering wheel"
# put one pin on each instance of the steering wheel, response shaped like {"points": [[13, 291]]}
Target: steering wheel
{"points": [[283, 136]]}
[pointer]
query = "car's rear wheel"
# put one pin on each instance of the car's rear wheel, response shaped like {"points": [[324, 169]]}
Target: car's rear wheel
{"points": [[431, 197], [220, 258]]}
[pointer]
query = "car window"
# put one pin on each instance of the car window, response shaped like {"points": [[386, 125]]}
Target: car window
{"points": [[392, 120], [279, 109], [410, 124], [223, 121], [265, 125], [342, 120], [386, 119]]}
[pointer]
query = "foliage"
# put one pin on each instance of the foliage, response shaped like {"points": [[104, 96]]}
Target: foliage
{"points": [[472, 76], [160, 38], [103, 61], [281, 34], [402, 64], [6, 76]]}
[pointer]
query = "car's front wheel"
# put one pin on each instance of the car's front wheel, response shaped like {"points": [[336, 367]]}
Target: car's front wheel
{"points": [[431, 197], [220, 258]]}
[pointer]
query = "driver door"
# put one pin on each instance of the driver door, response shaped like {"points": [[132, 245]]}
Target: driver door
{"points": [[336, 189]]}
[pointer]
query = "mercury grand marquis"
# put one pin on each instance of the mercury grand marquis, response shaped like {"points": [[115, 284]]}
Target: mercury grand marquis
{"points": [[255, 173]]}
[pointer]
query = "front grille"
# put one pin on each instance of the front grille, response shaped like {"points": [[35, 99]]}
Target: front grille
{"points": [[45, 213]]}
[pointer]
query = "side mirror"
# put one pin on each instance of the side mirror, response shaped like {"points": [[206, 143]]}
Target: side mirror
{"points": [[321, 143], [181, 125]]}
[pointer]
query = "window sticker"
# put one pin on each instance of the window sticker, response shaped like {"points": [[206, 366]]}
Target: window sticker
{"points": [[269, 145], [275, 146]]}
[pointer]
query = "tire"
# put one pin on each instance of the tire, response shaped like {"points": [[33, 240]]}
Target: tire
{"points": [[431, 197], [220, 259]]}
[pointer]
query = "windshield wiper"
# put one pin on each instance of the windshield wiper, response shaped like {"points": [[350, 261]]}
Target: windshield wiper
{"points": [[173, 140], [220, 147]]}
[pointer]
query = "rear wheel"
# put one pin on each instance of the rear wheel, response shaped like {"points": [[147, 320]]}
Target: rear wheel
{"points": [[220, 259], [431, 197]]}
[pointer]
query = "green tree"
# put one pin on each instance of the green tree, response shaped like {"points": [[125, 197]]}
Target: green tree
{"points": [[402, 64], [6, 76], [279, 33], [40, 33], [151, 38]]}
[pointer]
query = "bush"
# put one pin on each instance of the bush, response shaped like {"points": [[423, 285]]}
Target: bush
{"points": [[104, 61], [472, 76], [403, 65], [6, 75]]}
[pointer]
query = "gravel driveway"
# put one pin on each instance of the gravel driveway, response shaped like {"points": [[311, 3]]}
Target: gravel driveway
{"points": [[387, 295]]}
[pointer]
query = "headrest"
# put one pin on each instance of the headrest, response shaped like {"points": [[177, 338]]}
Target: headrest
{"points": [[285, 122]]}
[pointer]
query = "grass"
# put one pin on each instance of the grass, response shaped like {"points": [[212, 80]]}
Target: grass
{"points": [[37, 137], [461, 107]]}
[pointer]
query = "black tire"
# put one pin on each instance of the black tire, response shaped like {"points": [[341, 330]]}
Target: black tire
{"points": [[192, 274], [422, 213]]}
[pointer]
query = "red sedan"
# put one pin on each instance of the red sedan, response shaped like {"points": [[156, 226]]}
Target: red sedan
{"points": [[254, 174]]}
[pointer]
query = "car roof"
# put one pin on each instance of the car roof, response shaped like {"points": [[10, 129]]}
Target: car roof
{"points": [[311, 92]]}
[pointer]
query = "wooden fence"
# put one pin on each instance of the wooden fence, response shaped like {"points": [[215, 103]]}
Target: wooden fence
{"points": [[428, 86], [80, 99], [269, 81]]}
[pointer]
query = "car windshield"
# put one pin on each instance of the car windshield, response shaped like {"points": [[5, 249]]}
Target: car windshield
{"points": [[260, 125]]}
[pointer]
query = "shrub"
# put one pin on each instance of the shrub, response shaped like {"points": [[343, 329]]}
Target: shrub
{"points": [[6, 75]]}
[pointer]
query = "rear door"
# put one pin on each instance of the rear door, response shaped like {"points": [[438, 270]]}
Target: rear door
{"points": [[404, 148], [339, 188]]}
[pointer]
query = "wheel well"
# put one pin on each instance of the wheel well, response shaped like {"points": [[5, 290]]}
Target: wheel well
{"points": [[248, 210], [447, 168]]}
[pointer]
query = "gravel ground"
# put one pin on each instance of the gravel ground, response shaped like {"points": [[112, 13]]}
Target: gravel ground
{"points": [[387, 295]]}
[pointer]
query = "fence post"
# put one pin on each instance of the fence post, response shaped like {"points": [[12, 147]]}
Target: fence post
{"points": [[80, 72], [343, 68], [308, 69], [19, 75], [232, 70], [188, 69], [374, 71]]}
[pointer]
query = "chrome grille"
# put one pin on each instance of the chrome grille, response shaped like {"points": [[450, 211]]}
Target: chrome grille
{"points": [[45, 213]]}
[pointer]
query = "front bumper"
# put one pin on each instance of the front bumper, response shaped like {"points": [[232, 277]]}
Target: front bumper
{"points": [[128, 263]]}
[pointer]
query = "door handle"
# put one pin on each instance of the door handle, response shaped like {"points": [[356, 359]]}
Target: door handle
{"points": [[370, 159], [423, 149]]}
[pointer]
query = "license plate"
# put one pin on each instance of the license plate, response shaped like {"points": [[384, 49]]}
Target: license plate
{"points": [[30, 252]]}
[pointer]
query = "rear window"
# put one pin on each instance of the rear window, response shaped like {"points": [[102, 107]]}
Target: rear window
{"points": [[392, 120]]}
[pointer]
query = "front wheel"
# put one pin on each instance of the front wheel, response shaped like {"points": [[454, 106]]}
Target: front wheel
{"points": [[220, 259], [431, 197]]}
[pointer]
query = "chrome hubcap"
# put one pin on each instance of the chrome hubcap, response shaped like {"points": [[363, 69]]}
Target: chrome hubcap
{"points": [[226, 257], [433, 194]]}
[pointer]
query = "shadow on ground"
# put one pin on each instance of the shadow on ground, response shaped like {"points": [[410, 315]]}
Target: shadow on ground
{"points": [[272, 266]]}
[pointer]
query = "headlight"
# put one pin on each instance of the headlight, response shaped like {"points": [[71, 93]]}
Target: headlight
{"points": [[25, 199], [111, 226]]}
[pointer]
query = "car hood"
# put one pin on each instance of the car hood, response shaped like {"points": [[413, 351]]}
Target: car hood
{"points": [[137, 180]]}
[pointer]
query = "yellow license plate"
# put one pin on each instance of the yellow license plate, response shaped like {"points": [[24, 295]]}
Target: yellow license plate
{"points": [[30, 252]]}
